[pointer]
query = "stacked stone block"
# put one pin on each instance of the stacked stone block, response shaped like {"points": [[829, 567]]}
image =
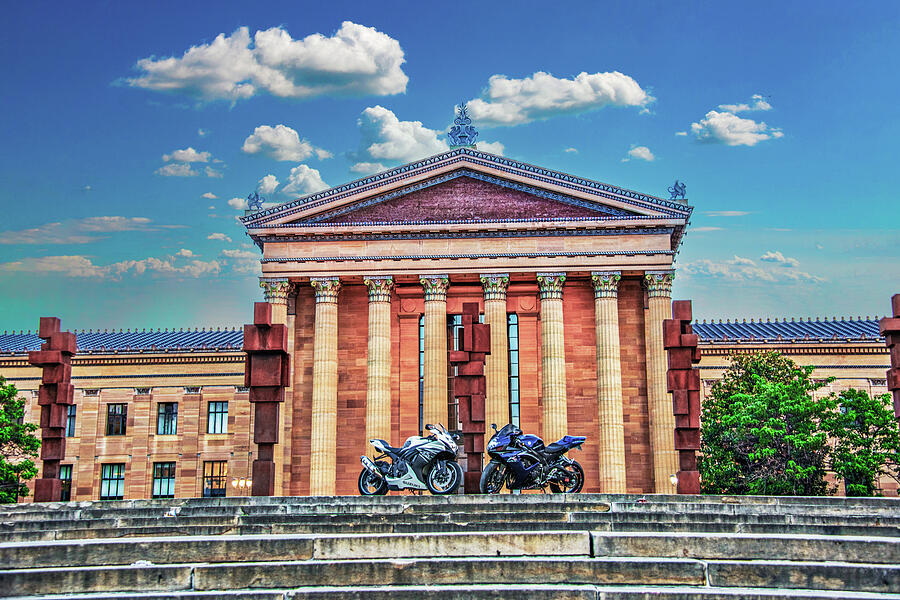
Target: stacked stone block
{"points": [[683, 381], [55, 395], [890, 329], [469, 386], [266, 373]]}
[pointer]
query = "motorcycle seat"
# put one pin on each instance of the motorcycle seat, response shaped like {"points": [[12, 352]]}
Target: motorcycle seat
{"points": [[391, 448], [564, 444]]}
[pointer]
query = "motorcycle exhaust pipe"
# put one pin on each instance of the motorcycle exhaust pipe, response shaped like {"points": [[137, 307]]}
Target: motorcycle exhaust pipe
{"points": [[369, 466]]}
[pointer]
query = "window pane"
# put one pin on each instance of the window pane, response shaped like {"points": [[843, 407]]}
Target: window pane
{"points": [[215, 476], [65, 475], [70, 421], [112, 481], [217, 418]]}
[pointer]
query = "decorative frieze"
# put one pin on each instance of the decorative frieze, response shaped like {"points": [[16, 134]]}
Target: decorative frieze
{"points": [[606, 283], [659, 283], [551, 285], [495, 286], [275, 290], [435, 287], [379, 288], [327, 289]]}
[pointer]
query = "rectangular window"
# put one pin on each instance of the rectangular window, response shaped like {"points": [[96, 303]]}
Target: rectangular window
{"points": [[217, 417], [65, 475], [215, 478], [512, 328], [166, 418], [164, 480], [112, 482], [70, 421], [116, 417]]}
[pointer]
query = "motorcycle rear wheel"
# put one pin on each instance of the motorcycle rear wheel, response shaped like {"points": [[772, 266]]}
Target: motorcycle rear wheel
{"points": [[371, 485], [444, 481], [492, 478], [576, 480]]}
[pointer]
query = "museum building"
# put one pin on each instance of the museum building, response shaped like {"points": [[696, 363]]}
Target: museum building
{"points": [[573, 276]]}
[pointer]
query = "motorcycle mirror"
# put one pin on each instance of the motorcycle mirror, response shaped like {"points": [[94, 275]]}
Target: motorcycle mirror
{"points": [[428, 426], [494, 426]]}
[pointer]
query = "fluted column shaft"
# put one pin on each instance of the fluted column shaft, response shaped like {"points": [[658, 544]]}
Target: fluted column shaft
{"points": [[609, 382], [378, 375], [553, 356], [323, 432], [434, 400], [662, 418], [496, 366]]}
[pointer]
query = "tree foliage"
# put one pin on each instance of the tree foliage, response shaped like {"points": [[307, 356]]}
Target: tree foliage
{"points": [[18, 445], [762, 431]]}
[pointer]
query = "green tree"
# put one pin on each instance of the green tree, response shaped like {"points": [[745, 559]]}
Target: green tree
{"points": [[18, 445], [866, 441], [762, 429]]}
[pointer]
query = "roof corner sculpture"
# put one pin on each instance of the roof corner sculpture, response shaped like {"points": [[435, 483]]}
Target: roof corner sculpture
{"points": [[255, 201], [677, 191], [463, 134]]}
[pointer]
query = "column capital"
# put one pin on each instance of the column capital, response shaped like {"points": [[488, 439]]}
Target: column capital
{"points": [[659, 283], [435, 287], [495, 285], [379, 287], [275, 289], [327, 288], [606, 283], [551, 285]]}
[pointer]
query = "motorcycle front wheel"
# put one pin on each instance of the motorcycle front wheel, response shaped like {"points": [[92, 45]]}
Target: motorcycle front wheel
{"points": [[444, 477], [492, 478], [372, 485], [576, 480]]}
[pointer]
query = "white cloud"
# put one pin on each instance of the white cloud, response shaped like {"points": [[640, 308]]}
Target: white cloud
{"points": [[185, 253], [75, 231], [727, 213], [639, 153], [239, 203], [177, 170], [211, 207], [203, 132], [746, 270], [732, 130], [281, 143], [542, 96], [218, 236], [188, 155], [241, 261], [210, 172], [778, 257], [209, 196], [385, 137], [759, 103], [87, 188], [83, 266], [304, 180], [700, 229], [367, 168], [571, 150], [355, 61], [681, 133], [267, 185], [491, 147], [322, 154]]}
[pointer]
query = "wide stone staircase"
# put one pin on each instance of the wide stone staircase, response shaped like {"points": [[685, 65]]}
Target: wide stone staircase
{"points": [[582, 546]]}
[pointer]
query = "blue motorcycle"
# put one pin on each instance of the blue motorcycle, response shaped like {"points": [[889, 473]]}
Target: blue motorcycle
{"points": [[520, 461]]}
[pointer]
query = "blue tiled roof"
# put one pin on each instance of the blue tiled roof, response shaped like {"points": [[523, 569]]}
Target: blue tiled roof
{"points": [[119, 340], [782, 329]]}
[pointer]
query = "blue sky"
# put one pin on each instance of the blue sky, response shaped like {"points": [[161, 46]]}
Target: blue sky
{"points": [[128, 128]]}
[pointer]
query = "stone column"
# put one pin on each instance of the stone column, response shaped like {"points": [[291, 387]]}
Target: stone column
{"points": [[496, 368], [434, 401], [553, 356], [276, 291], [378, 375], [323, 432], [662, 419], [609, 382]]}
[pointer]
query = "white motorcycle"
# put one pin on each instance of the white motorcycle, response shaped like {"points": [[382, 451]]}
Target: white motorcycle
{"points": [[421, 463]]}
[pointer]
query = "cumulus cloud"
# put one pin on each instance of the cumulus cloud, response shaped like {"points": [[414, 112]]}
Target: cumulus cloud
{"points": [[209, 196], [281, 143], [267, 185], [491, 147], [210, 172], [355, 61], [639, 153], [746, 270], [727, 213], [177, 170], [304, 180], [729, 129], [367, 168], [681, 133], [218, 236], [758, 102], [75, 231], [509, 101], [239, 203], [83, 267], [778, 257], [185, 253], [241, 261], [188, 155], [571, 150]]}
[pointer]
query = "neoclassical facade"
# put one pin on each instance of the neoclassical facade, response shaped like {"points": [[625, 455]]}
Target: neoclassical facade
{"points": [[573, 276]]}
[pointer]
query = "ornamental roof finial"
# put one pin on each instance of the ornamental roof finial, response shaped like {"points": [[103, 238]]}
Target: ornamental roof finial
{"points": [[462, 134]]}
